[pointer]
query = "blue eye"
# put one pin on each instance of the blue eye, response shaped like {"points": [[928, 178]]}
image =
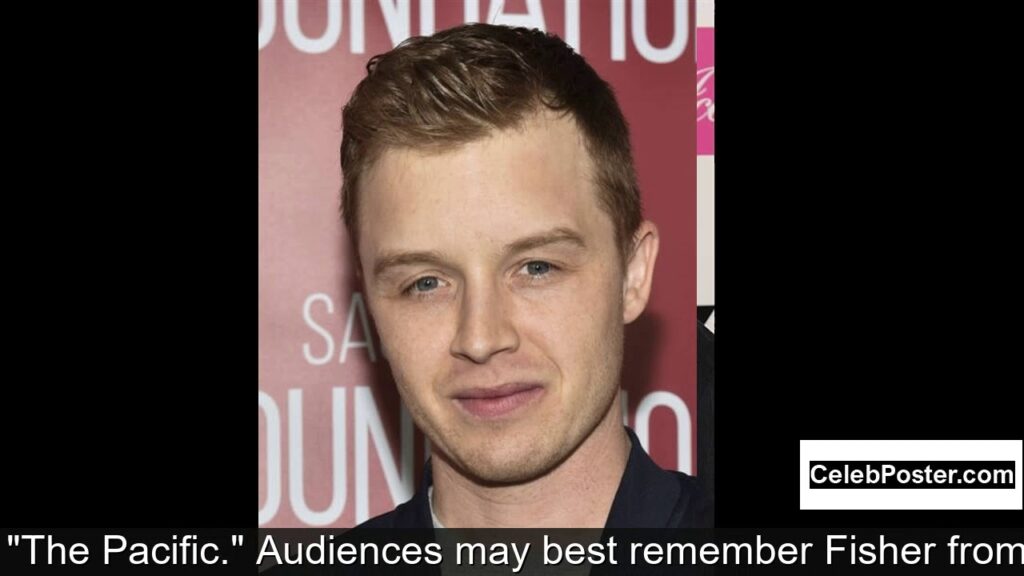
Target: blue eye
{"points": [[426, 284], [537, 268]]}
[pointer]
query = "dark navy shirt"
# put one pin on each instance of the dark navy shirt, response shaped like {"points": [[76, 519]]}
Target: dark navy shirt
{"points": [[647, 497]]}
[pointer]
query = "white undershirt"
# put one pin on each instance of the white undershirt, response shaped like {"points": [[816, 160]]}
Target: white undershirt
{"points": [[433, 516]]}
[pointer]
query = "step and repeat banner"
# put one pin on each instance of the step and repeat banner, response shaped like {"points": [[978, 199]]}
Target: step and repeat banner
{"points": [[706, 162], [335, 444]]}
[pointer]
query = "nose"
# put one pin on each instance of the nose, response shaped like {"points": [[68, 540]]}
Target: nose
{"points": [[485, 327]]}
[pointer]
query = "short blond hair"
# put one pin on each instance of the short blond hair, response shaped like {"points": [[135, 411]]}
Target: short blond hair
{"points": [[461, 84]]}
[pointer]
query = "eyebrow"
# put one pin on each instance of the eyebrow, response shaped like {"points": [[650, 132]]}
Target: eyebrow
{"points": [[554, 236], [558, 235]]}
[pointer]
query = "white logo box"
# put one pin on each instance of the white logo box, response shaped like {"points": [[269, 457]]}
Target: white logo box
{"points": [[962, 498]]}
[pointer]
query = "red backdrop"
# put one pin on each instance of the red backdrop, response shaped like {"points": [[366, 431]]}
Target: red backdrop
{"points": [[335, 446]]}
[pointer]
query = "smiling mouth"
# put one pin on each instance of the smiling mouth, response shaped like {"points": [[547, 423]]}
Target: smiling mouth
{"points": [[492, 403]]}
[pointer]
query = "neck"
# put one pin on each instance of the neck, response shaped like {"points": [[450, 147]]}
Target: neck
{"points": [[576, 493]]}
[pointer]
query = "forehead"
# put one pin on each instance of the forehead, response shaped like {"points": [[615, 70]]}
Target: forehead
{"points": [[491, 191]]}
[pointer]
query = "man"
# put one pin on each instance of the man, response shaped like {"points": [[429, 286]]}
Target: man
{"points": [[490, 192]]}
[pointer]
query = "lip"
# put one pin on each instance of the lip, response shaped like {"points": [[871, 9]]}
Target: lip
{"points": [[498, 401]]}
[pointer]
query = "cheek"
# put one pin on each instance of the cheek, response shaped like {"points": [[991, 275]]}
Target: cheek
{"points": [[415, 340], [578, 327]]}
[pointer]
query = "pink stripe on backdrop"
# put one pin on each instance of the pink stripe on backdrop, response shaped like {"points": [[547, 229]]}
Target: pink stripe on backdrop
{"points": [[706, 91]]}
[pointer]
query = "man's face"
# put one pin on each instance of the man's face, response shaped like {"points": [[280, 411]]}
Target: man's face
{"points": [[495, 282]]}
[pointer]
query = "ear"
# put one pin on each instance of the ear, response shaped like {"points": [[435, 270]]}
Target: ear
{"points": [[636, 286]]}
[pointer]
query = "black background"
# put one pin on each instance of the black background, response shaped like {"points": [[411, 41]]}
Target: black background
{"points": [[865, 169], [863, 245]]}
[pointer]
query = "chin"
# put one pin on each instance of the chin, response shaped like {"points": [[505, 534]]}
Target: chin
{"points": [[509, 464]]}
